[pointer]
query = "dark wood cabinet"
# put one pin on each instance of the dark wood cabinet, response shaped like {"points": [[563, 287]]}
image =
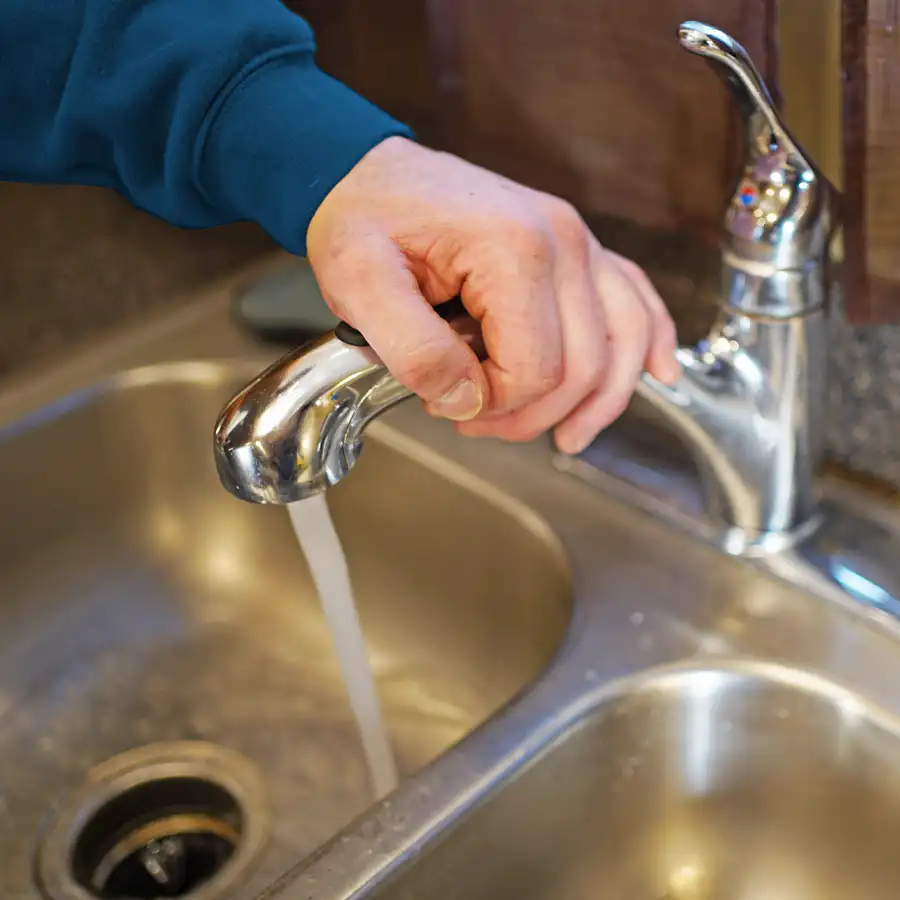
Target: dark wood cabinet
{"points": [[599, 103], [871, 150], [594, 101], [381, 48]]}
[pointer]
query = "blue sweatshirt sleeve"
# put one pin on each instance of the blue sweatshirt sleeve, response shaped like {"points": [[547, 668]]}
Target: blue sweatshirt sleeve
{"points": [[201, 112]]}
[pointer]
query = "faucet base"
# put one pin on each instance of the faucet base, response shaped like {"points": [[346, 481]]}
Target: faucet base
{"points": [[846, 553], [643, 464]]}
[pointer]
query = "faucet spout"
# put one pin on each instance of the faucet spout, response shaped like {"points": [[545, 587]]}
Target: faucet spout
{"points": [[298, 427], [705, 409], [749, 409], [294, 430]]}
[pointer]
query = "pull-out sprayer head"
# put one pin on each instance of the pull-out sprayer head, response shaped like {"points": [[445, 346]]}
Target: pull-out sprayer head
{"points": [[297, 428]]}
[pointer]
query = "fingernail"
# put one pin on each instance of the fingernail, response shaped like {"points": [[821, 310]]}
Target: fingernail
{"points": [[579, 445], [462, 402], [673, 371], [572, 445], [668, 371]]}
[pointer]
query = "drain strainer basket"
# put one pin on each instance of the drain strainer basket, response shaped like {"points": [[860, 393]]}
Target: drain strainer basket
{"points": [[183, 820]]}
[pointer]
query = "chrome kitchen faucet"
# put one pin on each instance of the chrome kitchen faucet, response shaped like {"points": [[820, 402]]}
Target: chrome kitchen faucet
{"points": [[750, 402], [749, 406]]}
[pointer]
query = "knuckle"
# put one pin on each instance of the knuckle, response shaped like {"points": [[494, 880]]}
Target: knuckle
{"points": [[647, 317], [529, 238], [417, 367], [337, 276], [334, 302], [343, 253], [632, 327], [566, 221], [631, 269], [549, 375], [426, 367], [633, 272], [338, 301], [590, 372]]}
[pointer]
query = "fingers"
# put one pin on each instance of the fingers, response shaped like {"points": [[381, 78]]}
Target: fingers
{"points": [[568, 327], [614, 324], [630, 336], [510, 289], [372, 288], [583, 339], [661, 361]]}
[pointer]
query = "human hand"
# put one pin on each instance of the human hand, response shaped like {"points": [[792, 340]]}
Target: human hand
{"points": [[567, 325]]}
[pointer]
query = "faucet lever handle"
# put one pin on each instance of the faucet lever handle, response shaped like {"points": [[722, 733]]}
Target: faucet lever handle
{"points": [[449, 311], [452, 311], [782, 212]]}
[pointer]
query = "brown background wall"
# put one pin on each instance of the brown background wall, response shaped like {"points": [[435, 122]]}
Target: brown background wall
{"points": [[871, 144], [596, 102]]}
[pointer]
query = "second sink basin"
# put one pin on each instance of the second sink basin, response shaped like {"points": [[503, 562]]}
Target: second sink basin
{"points": [[144, 607], [735, 782]]}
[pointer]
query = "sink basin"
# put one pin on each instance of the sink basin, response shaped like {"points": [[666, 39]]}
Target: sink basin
{"points": [[585, 699], [144, 607], [713, 783]]}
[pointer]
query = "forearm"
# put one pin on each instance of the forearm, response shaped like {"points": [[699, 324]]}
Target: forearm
{"points": [[199, 111]]}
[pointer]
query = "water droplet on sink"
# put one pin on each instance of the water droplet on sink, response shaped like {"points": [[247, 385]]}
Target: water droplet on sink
{"points": [[637, 618]]}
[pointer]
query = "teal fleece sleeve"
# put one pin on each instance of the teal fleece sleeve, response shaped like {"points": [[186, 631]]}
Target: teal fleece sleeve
{"points": [[201, 112]]}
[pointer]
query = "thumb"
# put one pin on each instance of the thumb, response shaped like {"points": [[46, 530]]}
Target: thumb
{"points": [[379, 296]]}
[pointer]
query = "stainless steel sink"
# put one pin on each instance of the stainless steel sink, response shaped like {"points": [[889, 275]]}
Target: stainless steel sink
{"points": [[586, 700], [142, 604], [700, 783]]}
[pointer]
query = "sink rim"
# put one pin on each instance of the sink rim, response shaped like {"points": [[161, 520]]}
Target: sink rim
{"points": [[223, 371]]}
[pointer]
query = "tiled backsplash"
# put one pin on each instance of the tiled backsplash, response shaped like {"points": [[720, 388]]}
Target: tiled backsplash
{"points": [[76, 261]]}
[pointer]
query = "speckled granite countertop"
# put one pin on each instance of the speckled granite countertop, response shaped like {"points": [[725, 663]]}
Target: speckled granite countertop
{"points": [[77, 261]]}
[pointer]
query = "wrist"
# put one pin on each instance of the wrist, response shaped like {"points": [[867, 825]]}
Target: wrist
{"points": [[280, 139]]}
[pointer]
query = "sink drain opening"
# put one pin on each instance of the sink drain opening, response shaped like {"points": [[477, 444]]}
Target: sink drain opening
{"points": [[185, 825], [164, 838]]}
